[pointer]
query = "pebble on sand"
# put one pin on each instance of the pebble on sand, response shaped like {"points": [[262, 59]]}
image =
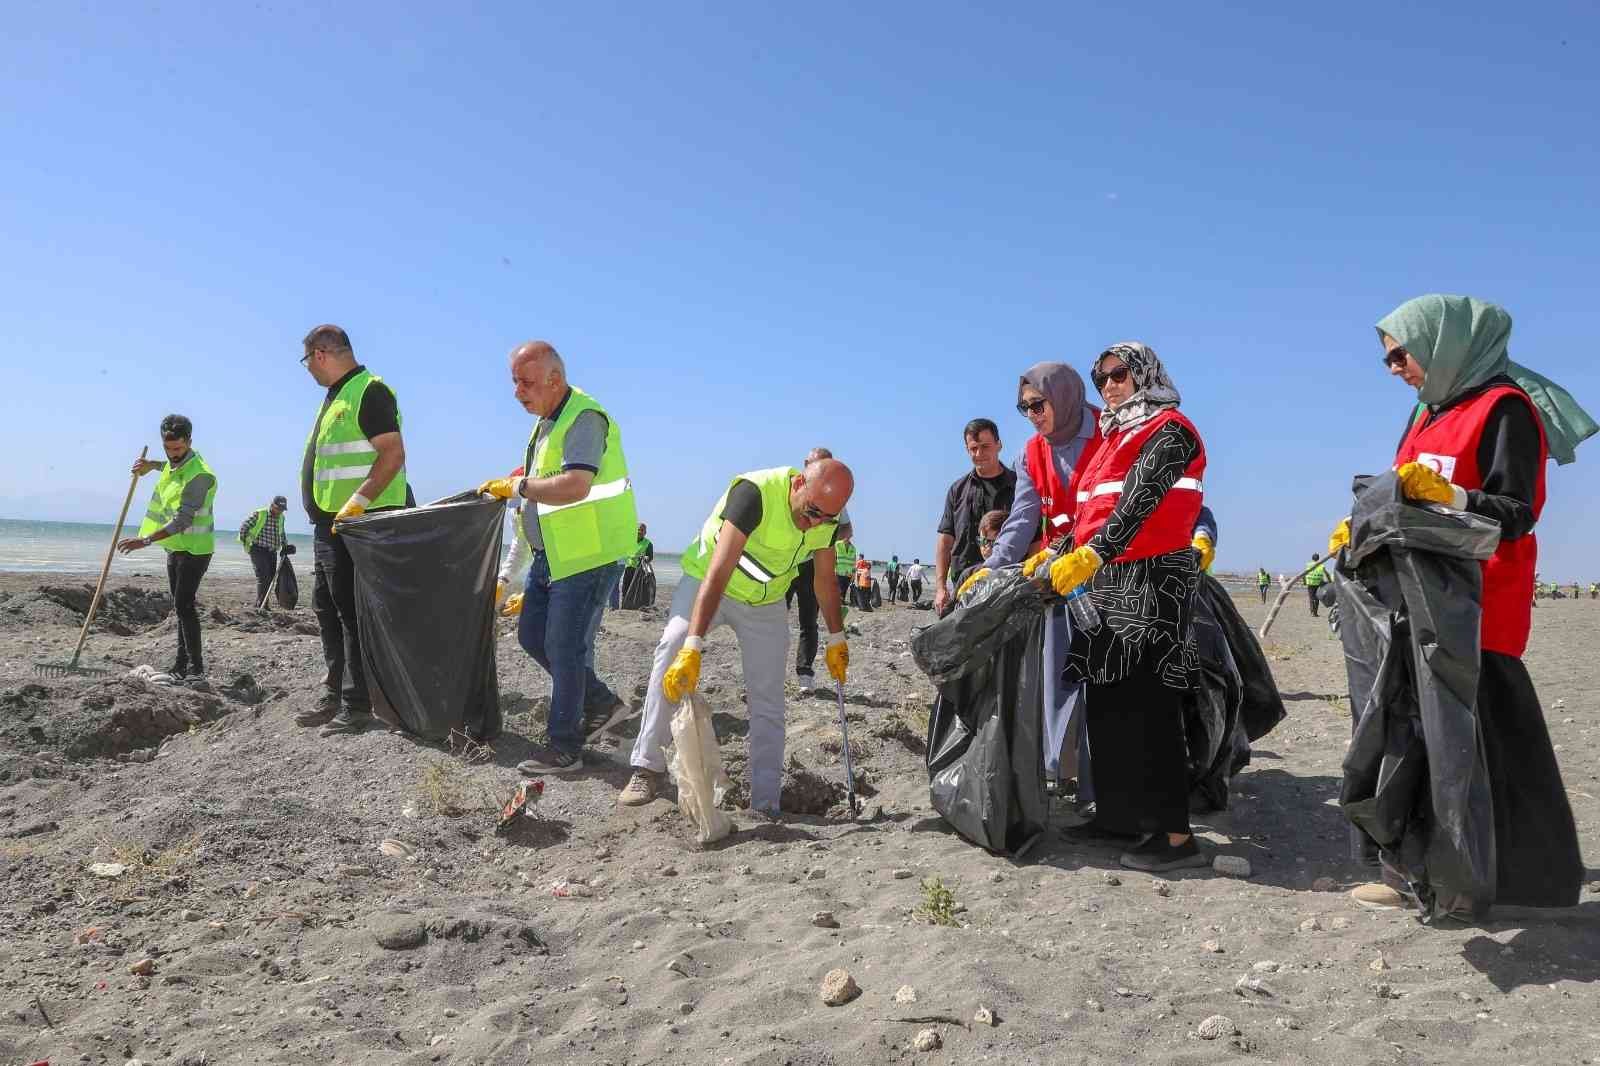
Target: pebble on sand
{"points": [[838, 988], [1311, 925], [1215, 1027], [143, 968], [905, 994], [983, 1016], [108, 869], [824, 920], [1111, 879], [901, 874], [927, 1040], [1212, 946], [1231, 865], [398, 932]]}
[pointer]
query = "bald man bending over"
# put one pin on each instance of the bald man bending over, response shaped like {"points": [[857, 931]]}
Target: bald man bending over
{"points": [[735, 574]]}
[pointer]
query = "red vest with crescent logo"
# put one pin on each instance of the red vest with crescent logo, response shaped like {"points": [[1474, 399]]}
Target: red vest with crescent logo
{"points": [[1057, 502], [1170, 526], [1449, 444]]}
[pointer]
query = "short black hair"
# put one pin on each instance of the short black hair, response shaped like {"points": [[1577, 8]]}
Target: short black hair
{"points": [[329, 338], [177, 427], [977, 426]]}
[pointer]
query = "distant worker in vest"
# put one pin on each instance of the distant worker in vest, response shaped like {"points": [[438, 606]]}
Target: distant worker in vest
{"points": [[891, 576], [354, 462], [1476, 441], [633, 567], [804, 590], [915, 575], [989, 486], [580, 526], [1316, 577], [1594, 590], [1139, 496], [1263, 582], [862, 589], [735, 574], [844, 565], [263, 537], [179, 518]]}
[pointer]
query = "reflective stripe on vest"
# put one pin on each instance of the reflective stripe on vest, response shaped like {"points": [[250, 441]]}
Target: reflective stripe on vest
{"points": [[602, 527], [597, 491], [1170, 527], [1183, 484], [342, 456], [775, 548]]}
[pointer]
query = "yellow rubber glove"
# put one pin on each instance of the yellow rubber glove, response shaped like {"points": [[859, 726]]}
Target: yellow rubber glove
{"points": [[1034, 562], [838, 657], [501, 488], [682, 676], [354, 507], [513, 605], [1072, 570], [1202, 544], [977, 576], [1420, 482], [501, 588], [1339, 537]]}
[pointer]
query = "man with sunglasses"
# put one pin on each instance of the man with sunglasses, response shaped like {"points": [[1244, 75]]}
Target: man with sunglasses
{"points": [[735, 573], [354, 462], [989, 486]]}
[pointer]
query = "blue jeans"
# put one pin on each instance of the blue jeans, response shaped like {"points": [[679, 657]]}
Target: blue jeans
{"points": [[554, 628], [597, 693]]}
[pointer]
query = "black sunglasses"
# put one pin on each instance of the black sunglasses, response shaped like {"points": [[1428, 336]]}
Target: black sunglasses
{"points": [[1396, 359], [817, 514], [1119, 375], [1030, 407]]}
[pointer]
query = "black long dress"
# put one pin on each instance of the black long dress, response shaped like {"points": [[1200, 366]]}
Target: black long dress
{"points": [[1138, 664], [1537, 863]]}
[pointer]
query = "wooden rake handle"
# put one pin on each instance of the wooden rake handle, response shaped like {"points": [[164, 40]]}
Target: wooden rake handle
{"points": [[100, 586]]}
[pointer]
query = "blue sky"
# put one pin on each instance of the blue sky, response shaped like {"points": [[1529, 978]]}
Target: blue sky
{"points": [[752, 228]]}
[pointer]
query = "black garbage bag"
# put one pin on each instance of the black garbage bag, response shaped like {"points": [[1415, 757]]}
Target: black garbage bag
{"points": [[985, 765], [1409, 591], [287, 589], [638, 587], [425, 581]]}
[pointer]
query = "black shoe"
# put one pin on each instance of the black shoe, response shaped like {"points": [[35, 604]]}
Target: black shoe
{"points": [[603, 716], [1157, 856], [1091, 834], [326, 707], [546, 760], [346, 724]]}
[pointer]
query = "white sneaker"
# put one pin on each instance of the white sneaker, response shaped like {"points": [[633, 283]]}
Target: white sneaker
{"points": [[807, 684]]}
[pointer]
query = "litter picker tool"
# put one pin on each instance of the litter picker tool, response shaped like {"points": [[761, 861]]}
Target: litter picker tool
{"points": [[849, 771], [67, 669], [1288, 587]]}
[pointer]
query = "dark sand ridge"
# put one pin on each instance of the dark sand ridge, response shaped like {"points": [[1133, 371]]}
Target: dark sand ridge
{"points": [[255, 882]]}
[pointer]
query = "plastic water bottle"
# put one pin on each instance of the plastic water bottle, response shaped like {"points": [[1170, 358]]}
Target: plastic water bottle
{"points": [[1085, 617]]}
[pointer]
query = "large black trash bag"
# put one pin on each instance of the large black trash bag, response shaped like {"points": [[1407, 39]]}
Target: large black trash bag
{"points": [[1409, 589], [425, 581], [638, 587], [287, 590], [985, 764]]}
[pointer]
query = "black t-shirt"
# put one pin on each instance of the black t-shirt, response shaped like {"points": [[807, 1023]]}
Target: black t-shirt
{"points": [[379, 414], [969, 499], [743, 508]]}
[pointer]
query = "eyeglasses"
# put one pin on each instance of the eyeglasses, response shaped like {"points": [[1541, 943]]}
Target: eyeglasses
{"points": [[1396, 358], [1030, 407], [816, 514], [305, 360], [986, 542], [1119, 375]]}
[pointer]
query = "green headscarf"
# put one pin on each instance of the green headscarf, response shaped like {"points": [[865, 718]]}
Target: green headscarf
{"points": [[1461, 343]]}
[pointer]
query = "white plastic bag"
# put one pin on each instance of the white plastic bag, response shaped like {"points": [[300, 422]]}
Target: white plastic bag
{"points": [[697, 768]]}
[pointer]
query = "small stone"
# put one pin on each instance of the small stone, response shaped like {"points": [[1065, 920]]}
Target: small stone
{"points": [[927, 1040], [450, 1012], [1111, 879], [901, 874], [816, 873], [1161, 888], [143, 968], [1378, 965], [1286, 1023], [839, 988], [398, 932], [1324, 884], [1231, 865], [1384, 991], [824, 920], [252, 890], [1216, 1027], [1311, 925], [996, 877], [1265, 966], [669, 871], [686, 1008], [905, 994], [346, 870], [108, 869], [983, 1016], [742, 870], [1212, 946], [187, 915], [1246, 985], [397, 849], [638, 945]]}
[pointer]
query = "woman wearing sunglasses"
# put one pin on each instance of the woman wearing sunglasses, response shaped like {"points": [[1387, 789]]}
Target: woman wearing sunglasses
{"points": [[1477, 441], [1138, 499]]}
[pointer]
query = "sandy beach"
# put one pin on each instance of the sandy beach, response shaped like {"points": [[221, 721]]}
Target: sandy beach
{"points": [[264, 895]]}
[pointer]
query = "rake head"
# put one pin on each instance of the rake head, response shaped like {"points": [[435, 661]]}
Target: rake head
{"points": [[69, 669]]}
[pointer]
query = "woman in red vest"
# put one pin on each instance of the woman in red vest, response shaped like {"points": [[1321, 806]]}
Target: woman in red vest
{"points": [[1477, 441], [1137, 501]]}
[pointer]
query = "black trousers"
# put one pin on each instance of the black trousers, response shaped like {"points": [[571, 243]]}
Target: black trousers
{"points": [[1263, 593], [333, 598], [916, 592], [1314, 589], [1137, 755], [894, 585], [184, 572], [266, 563], [861, 597], [802, 588]]}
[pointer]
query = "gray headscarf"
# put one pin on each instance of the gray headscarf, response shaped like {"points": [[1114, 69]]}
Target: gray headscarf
{"points": [[1154, 391], [1061, 385]]}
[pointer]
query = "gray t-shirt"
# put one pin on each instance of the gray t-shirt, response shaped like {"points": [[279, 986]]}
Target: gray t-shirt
{"points": [[585, 444]]}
